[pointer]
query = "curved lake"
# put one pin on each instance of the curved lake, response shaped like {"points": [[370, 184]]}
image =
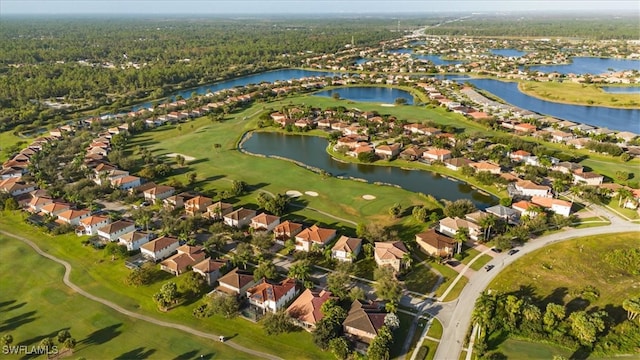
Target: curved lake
{"points": [[435, 59], [311, 150], [589, 65], [369, 94], [615, 119], [621, 89], [508, 52], [267, 76]]}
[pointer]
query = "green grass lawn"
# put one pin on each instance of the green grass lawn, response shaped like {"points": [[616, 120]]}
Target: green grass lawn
{"points": [[435, 331], [582, 94], [558, 272], [525, 350], [36, 304], [449, 275], [630, 213], [480, 262], [428, 350], [97, 274], [457, 289], [421, 279], [400, 334]]}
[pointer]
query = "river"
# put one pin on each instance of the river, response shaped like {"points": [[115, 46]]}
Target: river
{"points": [[311, 150]]}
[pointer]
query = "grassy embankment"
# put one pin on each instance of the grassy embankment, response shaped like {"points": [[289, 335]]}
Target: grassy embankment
{"points": [[34, 304], [559, 273], [578, 94]]}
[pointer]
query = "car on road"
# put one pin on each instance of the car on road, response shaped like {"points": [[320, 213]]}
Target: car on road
{"points": [[513, 251], [489, 267], [496, 250]]}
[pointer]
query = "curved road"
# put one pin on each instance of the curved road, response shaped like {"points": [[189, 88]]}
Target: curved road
{"points": [[453, 336], [65, 279]]}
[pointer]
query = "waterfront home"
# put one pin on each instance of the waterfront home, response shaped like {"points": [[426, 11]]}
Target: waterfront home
{"points": [[135, 239], [217, 210], [361, 148], [561, 136], [451, 226], [437, 154], [486, 166], [271, 297], [525, 208], [412, 153], [457, 163], [91, 224], [529, 188], [587, 178], [197, 205], [210, 269], [186, 257], [435, 244], [391, 253], [626, 136], [158, 193], [239, 218], [73, 217], [160, 248], [306, 309], [346, 249], [387, 151], [286, 231], [264, 222], [363, 321], [558, 206], [314, 237], [236, 282], [113, 231]]}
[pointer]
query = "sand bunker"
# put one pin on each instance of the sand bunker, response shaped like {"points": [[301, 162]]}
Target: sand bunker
{"points": [[368, 197], [311, 193], [186, 157], [293, 193]]}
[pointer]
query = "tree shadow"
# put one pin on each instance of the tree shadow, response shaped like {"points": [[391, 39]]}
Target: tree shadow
{"points": [[7, 303], [186, 356], [617, 314], [577, 304], [582, 352], [102, 336], [526, 292], [36, 339], [14, 307], [137, 353], [17, 321], [556, 297]]}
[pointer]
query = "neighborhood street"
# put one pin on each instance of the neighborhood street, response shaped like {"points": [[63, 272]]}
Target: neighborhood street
{"points": [[453, 336]]}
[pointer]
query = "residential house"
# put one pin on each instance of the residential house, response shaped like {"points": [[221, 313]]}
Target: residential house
{"points": [[36, 203], [435, 244], [54, 208], [158, 193], [160, 248], [306, 309], [113, 231], [588, 178], [525, 208], [363, 321], [271, 297], [529, 188], [217, 210], [486, 166], [173, 202], [519, 155], [451, 226], [346, 249], [285, 231], [135, 239], [126, 182], [197, 205], [525, 128], [391, 253], [264, 222], [387, 151], [558, 206], [73, 217], [91, 224], [412, 153], [312, 237], [15, 186], [210, 269], [568, 167], [457, 163], [186, 257], [561, 136], [510, 215], [239, 218], [437, 154], [235, 282]]}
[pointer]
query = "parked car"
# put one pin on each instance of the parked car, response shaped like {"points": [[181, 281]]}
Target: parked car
{"points": [[489, 267], [513, 251], [496, 250]]}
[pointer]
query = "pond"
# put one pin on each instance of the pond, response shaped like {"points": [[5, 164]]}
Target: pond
{"points": [[311, 150], [381, 95], [589, 65]]}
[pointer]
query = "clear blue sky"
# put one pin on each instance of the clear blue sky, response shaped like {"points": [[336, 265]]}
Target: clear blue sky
{"points": [[149, 7]]}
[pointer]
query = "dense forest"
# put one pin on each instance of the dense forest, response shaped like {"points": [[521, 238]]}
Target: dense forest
{"points": [[581, 26], [90, 63]]}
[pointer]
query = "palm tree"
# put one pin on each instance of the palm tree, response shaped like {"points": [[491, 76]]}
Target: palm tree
{"points": [[487, 223], [462, 236], [632, 306], [406, 260], [623, 195], [301, 271]]}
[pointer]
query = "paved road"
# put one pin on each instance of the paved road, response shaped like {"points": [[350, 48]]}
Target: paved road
{"points": [[67, 281], [454, 332]]}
